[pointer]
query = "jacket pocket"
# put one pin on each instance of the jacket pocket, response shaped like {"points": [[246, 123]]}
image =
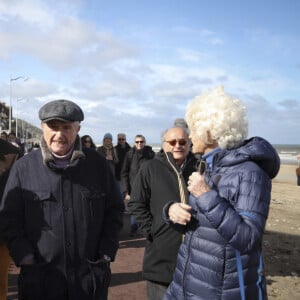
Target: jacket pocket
{"points": [[94, 200], [39, 207]]}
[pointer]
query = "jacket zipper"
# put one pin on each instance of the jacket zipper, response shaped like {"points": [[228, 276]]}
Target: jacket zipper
{"points": [[186, 263]]}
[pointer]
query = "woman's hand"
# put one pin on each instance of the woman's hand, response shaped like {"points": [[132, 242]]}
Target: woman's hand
{"points": [[197, 185], [180, 213]]}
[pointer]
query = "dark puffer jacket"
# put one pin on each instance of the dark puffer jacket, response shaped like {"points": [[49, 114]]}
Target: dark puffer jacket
{"points": [[231, 216]]}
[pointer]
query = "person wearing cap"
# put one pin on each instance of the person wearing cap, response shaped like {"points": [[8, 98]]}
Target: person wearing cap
{"points": [[108, 151], [61, 213]]}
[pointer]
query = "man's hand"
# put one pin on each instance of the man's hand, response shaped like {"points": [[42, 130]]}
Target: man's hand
{"points": [[180, 213], [197, 185]]}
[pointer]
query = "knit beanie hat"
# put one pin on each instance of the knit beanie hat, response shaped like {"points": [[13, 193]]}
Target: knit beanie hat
{"points": [[108, 136]]}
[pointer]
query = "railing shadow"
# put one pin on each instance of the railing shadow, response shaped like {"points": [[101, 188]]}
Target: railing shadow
{"points": [[125, 278], [133, 243]]}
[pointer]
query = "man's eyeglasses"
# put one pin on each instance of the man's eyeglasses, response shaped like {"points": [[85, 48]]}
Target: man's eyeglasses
{"points": [[174, 142], [139, 142], [121, 139]]}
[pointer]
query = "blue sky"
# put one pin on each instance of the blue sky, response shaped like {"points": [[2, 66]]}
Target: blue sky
{"points": [[133, 66]]}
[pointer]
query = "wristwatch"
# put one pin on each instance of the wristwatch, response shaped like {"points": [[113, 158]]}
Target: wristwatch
{"points": [[106, 258]]}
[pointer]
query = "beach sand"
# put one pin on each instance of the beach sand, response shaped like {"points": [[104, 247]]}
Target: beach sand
{"points": [[282, 238]]}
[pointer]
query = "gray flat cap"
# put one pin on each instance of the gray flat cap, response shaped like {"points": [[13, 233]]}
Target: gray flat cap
{"points": [[64, 110]]}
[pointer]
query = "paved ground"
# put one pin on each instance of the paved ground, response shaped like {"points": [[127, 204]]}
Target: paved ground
{"points": [[127, 282]]}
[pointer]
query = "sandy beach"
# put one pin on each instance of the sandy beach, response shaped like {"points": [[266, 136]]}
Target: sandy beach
{"points": [[282, 238]]}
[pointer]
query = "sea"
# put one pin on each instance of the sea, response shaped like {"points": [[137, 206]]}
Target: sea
{"points": [[287, 153]]}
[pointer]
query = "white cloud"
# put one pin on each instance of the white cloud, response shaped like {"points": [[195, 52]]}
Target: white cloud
{"points": [[192, 56], [59, 41]]}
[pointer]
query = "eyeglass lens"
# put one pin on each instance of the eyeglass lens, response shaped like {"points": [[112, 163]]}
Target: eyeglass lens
{"points": [[174, 142]]}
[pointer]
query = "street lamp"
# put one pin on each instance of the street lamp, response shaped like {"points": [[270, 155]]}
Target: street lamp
{"points": [[17, 115], [23, 130], [10, 98]]}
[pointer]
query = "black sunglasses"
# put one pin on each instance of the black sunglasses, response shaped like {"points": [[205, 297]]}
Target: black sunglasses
{"points": [[139, 142], [121, 139], [87, 141], [174, 142]]}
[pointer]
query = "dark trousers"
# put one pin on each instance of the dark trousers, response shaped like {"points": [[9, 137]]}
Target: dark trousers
{"points": [[156, 290]]}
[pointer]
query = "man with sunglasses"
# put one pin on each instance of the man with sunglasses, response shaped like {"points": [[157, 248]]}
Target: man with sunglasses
{"points": [[121, 148], [160, 181], [134, 158]]}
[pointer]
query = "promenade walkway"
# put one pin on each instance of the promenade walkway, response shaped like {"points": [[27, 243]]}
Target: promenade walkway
{"points": [[126, 283]]}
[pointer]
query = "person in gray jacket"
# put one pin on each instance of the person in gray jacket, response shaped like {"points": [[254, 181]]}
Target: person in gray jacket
{"points": [[61, 213], [220, 257]]}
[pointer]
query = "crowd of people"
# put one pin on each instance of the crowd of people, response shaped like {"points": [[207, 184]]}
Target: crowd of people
{"points": [[201, 202]]}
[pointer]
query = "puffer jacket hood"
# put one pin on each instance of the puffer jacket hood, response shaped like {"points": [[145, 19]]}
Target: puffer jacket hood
{"points": [[255, 149]]}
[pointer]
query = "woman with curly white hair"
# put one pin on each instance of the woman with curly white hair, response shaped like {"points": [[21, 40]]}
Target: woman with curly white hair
{"points": [[221, 256]]}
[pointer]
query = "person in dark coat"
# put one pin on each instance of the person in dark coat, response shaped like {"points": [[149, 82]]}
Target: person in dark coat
{"points": [[108, 151], [8, 155], [122, 148], [61, 213], [134, 159], [159, 181], [221, 256]]}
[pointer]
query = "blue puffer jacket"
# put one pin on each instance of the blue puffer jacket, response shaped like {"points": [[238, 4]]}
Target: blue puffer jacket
{"points": [[230, 217]]}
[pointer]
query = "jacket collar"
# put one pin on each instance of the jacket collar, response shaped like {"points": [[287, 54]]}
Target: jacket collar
{"points": [[48, 158]]}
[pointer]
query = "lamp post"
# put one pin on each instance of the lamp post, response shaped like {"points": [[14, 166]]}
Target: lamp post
{"points": [[22, 134], [10, 98], [17, 115]]}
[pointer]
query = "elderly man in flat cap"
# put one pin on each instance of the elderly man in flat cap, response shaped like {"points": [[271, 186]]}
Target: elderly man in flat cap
{"points": [[61, 213]]}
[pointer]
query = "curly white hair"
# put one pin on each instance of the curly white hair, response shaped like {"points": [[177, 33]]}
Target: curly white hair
{"points": [[219, 114]]}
